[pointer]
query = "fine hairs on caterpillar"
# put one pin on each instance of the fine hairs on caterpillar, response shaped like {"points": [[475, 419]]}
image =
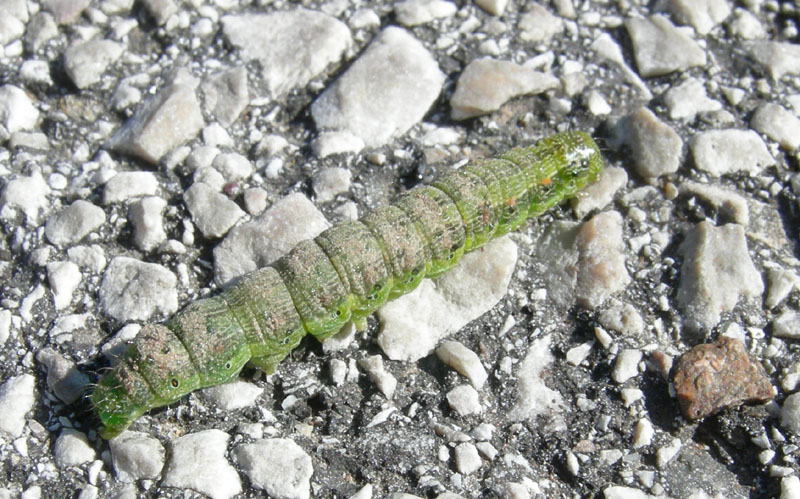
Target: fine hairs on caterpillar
{"points": [[345, 273]]}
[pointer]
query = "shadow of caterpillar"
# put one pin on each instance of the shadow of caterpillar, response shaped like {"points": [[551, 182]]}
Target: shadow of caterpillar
{"points": [[345, 273]]}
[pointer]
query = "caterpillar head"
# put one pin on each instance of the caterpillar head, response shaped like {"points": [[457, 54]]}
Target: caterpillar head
{"points": [[156, 370], [582, 162]]}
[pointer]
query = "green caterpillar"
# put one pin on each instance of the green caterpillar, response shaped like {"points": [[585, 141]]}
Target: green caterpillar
{"points": [[345, 273]]}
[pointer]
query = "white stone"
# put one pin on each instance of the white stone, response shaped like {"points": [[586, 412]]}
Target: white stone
{"points": [[656, 148], [234, 395], [278, 466], [687, 100], [386, 91], [17, 111], [415, 12], [486, 84], [339, 142], [626, 365], [27, 194], [212, 212], [64, 278], [601, 261], [660, 48], [226, 95], [643, 433], [233, 166], [790, 487], [787, 325], [127, 185], [599, 194], [197, 461], [16, 400], [463, 360], [668, 452], [383, 379], [133, 290], [728, 202], [148, 225], [329, 182], [72, 449], [777, 58], [413, 324], [719, 152], [86, 62], [5, 326], [622, 318], [777, 123], [165, 121], [467, 459], [493, 7], [292, 46], [464, 400], [716, 272], [73, 223], [703, 15], [538, 25], [534, 399], [136, 456]]}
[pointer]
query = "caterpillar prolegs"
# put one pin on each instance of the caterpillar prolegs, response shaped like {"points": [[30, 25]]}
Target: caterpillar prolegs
{"points": [[345, 273]]}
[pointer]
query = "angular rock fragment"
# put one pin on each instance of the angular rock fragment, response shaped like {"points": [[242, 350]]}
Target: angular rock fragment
{"points": [[486, 84], [660, 48], [713, 376], [656, 147], [386, 91], [719, 152], [164, 122]]}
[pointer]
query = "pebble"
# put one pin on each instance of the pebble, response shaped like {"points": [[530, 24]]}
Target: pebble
{"points": [[65, 11], [787, 325], [601, 261], [621, 317], [728, 202], [292, 46], [215, 135], [278, 466], [136, 456], [493, 7], [160, 10], [73, 223], [148, 226], [620, 492], [719, 152], [538, 25], [90, 258], [385, 92], [340, 142], [382, 378], [777, 123], [11, 28], [687, 100], [16, 400], [668, 452], [533, 398], [197, 461], [126, 185], [412, 325], [576, 355], [746, 25], [790, 487], [329, 182], [63, 377], [777, 58], [40, 30], [607, 48], [626, 365], [233, 166], [364, 18], [716, 272], [780, 283], [226, 94], [464, 361], [27, 194], [5, 326], [703, 15], [72, 449], [660, 48], [17, 111], [467, 459], [600, 194], [255, 200], [63, 278], [86, 62], [486, 84], [213, 212], [234, 395], [415, 12], [597, 104], [464, 400], [132, 290], [272, 234], [713, 376], [35, 72], [165, 121], [643, 433], [656, 148]]}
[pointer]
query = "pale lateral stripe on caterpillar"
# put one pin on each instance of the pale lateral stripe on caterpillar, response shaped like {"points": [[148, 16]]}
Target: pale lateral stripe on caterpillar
{"points": [[345, 273]]}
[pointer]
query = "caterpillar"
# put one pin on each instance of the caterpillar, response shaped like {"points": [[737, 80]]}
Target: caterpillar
{"points": [[345, 273]]}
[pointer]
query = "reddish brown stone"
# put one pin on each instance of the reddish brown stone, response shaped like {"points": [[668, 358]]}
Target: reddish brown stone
{"points": [[714, 376]]}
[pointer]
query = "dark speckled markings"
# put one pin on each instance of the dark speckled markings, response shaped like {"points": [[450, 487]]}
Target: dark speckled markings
{"points": [[345, 273]]}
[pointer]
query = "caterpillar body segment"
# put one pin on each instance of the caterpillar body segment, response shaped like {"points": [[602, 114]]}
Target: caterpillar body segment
{"points": [[345, 273]]}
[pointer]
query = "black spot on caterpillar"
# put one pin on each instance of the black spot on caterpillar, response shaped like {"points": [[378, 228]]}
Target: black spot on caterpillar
{"points": [[345, 273]]}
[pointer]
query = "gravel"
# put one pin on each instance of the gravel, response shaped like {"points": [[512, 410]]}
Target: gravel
{"points": [[151, 152]]}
